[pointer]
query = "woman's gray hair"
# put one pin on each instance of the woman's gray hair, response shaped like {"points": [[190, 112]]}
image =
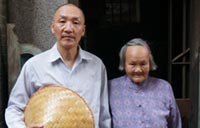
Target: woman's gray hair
{"points": [[135, 42]]}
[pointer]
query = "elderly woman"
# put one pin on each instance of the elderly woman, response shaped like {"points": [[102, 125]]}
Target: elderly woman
{"points": [[138, 100]]}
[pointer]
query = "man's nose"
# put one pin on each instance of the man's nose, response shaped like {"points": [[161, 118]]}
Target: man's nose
{"points": [[68, 27]]}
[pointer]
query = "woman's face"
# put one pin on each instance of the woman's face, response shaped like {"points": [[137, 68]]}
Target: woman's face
{"points": [[137, 63]]}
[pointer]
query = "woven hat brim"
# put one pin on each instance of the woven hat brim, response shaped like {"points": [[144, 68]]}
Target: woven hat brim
{"points": [[59, 107]]}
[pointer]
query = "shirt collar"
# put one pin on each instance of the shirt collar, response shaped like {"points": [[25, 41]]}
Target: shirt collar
{"points": [[55, 55]]}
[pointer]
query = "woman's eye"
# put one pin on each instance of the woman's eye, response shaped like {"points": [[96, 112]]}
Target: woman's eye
{"points": [[133, 65]]}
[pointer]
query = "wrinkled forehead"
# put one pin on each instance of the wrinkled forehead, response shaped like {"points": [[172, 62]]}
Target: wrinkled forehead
{"points": [[137, 52], [69, 11]]}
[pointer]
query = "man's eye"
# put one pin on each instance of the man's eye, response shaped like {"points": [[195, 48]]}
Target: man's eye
{"points": [[61, 21], [76, 22]]}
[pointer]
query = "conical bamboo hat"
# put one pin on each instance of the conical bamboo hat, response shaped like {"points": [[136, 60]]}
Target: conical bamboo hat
{"points": [[58, 107]]}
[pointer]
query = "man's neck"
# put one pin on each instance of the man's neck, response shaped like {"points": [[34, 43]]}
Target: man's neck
{"points": [[69, 56]]}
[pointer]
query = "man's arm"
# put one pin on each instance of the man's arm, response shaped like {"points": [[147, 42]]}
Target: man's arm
{"points": [[14, 114], [105, 118]]}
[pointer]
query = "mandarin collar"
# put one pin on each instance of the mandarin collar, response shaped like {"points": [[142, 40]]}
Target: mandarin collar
{"points": [[130, 83]]}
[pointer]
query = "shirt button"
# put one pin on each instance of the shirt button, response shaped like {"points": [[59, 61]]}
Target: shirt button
{"points": [[141, 122], [139, 105]]}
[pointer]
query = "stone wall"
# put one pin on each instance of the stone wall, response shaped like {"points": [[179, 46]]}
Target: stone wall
{"points": [[32, 20], [3, 62]]}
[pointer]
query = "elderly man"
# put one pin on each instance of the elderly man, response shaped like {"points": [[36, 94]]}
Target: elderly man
{"points": [[65, 64]]}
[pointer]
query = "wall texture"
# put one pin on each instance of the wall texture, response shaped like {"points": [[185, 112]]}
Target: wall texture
{"points": [[32, 20], [3, 62]]}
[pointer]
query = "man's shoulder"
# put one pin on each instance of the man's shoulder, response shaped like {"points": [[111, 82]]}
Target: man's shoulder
{"points": [[92, 56], [39, 58]]}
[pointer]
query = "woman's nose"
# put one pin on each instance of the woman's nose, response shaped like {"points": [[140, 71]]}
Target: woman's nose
{"points": [[138, 68]]}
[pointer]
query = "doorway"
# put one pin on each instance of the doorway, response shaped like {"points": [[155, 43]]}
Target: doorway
{"points": [[109, 26]]}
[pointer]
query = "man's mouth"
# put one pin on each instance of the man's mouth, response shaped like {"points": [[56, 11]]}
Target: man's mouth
{"points": [[67, 37]]}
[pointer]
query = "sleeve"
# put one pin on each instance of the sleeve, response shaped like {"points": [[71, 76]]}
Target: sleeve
{"points": [[18, 99], [105, 119], [174, 120]]}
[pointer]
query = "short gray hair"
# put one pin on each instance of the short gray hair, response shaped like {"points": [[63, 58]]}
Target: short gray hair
{"points": [[135, 42]]}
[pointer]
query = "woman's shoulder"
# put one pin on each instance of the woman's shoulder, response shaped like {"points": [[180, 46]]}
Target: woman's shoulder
{"points": [[159, 82], [118, 79], [156, 79]]}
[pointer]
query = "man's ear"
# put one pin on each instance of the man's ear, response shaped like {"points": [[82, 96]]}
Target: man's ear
{"points": [[52, 28], [83, 34]]}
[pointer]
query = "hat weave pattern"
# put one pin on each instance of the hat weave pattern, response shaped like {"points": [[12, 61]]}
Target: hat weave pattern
{"points": [[58, 107]]}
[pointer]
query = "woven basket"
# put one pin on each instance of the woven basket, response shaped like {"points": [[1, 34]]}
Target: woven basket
{"points": [[58, 107]]}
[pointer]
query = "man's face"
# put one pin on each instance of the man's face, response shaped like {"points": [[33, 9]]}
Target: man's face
{"points": [[137, 64], [68, 26]]}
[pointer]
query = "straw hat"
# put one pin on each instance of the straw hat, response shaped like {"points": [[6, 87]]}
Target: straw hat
{"points": [[58, 107]]}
